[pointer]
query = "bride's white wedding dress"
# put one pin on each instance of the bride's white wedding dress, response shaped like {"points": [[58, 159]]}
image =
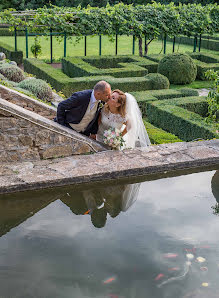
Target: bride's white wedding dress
{"points": [[136, 135]]}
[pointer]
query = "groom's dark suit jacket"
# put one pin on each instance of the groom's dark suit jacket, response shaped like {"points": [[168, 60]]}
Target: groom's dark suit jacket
{"points": [[72, 110]]}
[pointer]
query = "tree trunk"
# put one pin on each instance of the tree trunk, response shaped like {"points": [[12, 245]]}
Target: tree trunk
{"points": [[145, 49], [140, 47]]}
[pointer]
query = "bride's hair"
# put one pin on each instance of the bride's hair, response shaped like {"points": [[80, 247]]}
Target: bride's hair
{"points": [[121, 100]]}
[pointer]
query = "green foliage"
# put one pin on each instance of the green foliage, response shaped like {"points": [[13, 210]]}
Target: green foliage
{"points": [[178, 68], [118, 67], [149, 20], [175, 116], [2, 77], [158, 81], [61, 82], [36, 48], [213, 96], [12, 72], [33, 4], [38, 87], [158, 135], [11, 53]]}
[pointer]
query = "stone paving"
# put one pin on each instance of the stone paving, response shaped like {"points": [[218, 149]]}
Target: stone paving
{"points": [[108, 165]]}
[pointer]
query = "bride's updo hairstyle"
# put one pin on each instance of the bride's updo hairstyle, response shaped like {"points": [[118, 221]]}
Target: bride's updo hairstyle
{"points": [[121, 101]]}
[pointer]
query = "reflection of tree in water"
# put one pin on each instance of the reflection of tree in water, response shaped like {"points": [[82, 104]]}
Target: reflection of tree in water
{"points": [[101, 201], [215, 191]]}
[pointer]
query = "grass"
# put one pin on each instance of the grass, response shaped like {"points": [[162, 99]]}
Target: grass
{"points": [[196, 85], [108, 47]]}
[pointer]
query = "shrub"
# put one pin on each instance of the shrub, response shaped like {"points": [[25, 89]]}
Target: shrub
{"points": [[158, 135], [38, 87], [158, 81], [178, 68], [11, 53], [12, 72], [2, 77], [24, 91]]}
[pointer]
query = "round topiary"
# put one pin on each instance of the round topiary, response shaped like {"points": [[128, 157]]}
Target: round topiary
{"points": [[2, 56], [158, 81], [178, 68], [12, 72], [38, 87]]}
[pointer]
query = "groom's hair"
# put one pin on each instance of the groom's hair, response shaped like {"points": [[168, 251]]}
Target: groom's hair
{"points": [[101, 86]]}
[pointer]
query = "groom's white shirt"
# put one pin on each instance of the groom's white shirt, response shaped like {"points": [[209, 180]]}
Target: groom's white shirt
{"points": [[93, 100], [88, 116]]}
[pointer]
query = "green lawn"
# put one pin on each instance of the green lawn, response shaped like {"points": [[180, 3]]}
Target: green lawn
{"points": [[197, 84], [108, 48]]}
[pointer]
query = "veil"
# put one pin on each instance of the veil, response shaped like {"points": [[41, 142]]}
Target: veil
{"points": [[136, 135], [129, 196]]}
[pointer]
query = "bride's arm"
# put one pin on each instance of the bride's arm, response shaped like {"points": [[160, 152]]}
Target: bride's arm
{"points": [[127, 127]]}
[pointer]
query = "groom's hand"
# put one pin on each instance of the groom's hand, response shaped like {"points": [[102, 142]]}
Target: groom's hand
{"points": [[92, 136]]}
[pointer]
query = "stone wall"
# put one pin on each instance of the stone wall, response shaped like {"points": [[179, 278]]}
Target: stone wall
{"points": [[27, 102], [25, 136]]}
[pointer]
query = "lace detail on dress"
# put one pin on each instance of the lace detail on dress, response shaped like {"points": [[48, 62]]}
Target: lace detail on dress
{"points": [[112, 118], [109, 120]]}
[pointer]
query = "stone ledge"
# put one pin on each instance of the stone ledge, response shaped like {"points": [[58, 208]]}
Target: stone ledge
{"points": [[44, 123], [108, 165], [27, 102]]}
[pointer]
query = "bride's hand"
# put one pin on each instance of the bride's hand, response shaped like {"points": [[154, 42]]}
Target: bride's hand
{"points": [[93, 137]]}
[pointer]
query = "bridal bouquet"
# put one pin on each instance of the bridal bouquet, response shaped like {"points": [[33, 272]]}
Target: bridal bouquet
{"points": [[113, 138]]}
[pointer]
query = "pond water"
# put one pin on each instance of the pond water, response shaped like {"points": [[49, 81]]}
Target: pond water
{"points": [[154, 239]]}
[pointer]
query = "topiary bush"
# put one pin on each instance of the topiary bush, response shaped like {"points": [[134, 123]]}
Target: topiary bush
{"points": [[38, 87], [158, 81], [178, 68], [12, 72]]}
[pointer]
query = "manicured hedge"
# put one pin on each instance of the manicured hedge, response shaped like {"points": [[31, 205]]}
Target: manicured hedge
{"points": [[120, 67], [11, 53], [183, 123], [205, 62], [143, 97], [158, 135], [116, 66], [61, 82]]}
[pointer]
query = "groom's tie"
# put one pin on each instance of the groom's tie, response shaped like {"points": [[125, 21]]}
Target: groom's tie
{"points": [[94, 105]]}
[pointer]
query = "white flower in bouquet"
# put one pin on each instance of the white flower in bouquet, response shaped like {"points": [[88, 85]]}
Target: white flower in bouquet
{"points": [[113, 138]]}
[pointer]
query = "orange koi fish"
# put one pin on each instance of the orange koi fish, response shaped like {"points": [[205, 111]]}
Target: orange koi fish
{"points": [[159, 276], [87, 212], [170, 256], [109, 280]]}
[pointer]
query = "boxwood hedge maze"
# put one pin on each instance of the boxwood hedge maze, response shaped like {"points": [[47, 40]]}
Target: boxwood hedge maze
{"points": [[170, 115]]}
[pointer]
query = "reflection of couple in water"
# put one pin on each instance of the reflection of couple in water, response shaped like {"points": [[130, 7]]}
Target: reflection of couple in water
{"points": [[102, 201]]}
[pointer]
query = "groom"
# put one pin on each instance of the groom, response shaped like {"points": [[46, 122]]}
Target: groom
{"points": [[81, 110]]}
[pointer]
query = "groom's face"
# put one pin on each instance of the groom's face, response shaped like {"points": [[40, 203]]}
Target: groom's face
{"points": [[104, 96]]}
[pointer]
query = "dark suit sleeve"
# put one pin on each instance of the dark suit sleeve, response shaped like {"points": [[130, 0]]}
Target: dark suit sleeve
{"points": [[67, 104]]}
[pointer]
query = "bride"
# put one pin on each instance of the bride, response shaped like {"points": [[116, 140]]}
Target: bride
{"points": [[122, 112]]}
